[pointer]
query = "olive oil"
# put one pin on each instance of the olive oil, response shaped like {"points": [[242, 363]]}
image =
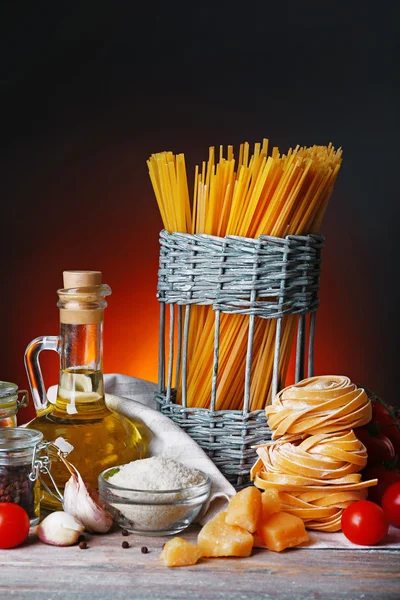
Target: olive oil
{"points": [[100, 438]]}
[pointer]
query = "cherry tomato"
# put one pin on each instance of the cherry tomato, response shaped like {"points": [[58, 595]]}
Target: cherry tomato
{"points": [[379, 447], [14, 525], [391, 504], [388, 428], [364, 523], [385, 478], [386, 424], [378, 411]]}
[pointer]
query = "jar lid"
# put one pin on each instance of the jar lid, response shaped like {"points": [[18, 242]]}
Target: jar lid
{"points": [[7, 389], [18, 438]]}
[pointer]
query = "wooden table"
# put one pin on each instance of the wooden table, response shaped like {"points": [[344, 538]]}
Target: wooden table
{"points": [[107, 571]]}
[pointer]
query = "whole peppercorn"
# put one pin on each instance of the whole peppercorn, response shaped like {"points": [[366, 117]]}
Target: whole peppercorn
{"points": [[83, 545], [125, 544], [16, 487], [125, 532], [144, 549]]}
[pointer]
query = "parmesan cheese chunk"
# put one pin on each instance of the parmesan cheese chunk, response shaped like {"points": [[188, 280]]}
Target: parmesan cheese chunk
{"points": [[282, 531], [180, 553], [245, 508], [217, 538]]}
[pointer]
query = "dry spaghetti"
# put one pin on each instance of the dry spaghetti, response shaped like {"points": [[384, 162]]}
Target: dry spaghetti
{"points": [[276, 194]]}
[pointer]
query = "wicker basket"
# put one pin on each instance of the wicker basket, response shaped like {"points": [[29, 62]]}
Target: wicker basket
{"points": [[265, 278]]}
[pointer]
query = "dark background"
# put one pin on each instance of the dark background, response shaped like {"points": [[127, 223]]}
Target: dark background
{"points": [[89, 90]]}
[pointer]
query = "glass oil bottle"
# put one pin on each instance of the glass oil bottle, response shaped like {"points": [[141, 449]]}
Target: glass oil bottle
{"points": [[101, 438]]}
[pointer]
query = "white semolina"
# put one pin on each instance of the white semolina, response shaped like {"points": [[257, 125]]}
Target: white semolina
{"points": [[157, 473], [153, 475]]}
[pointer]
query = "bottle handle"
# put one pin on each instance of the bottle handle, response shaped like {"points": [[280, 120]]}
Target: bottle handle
{"points": [[33, 371]]}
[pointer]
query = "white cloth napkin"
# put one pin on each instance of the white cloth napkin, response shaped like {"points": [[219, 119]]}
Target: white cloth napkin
{"points": [[338, 540], [135, 398]]}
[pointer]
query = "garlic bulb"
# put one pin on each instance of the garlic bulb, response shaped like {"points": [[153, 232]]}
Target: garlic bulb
{"points": [[86, 505], [59, 529]]}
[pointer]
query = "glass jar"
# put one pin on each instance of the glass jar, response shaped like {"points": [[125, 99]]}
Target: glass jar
{"points": [[19, 469], [10, 403]]}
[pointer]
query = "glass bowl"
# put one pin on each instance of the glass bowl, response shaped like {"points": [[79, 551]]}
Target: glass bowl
{"points": [[149, 512]]}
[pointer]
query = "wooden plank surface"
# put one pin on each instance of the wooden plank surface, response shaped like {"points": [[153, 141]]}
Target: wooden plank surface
{"points": [[107, 571]]}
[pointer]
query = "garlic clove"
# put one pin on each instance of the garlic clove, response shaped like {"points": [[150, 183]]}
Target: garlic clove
{"points": [[86, 505], [59, 529]]}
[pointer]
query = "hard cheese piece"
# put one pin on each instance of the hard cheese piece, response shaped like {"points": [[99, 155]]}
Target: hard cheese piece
{"points": [[180, 553], [245, 508], [270, 503], [217, 538], [281, 531], [258, 542]]}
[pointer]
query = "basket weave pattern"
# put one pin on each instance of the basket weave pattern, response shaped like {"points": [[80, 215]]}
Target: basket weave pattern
{"points": [[267, 278]]}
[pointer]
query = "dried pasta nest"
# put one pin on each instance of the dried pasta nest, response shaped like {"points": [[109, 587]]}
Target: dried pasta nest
{"points": [[325, 404], [315, 460]]}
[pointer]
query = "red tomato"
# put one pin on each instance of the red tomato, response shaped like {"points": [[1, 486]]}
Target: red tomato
{"points": [[379, 447], [391, 431], [386, 424], [14, 525], [384, 477], [391, 504], [378, 411], [364, 523]]}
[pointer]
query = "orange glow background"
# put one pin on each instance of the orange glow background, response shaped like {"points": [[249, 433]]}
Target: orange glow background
{"points": [[111, 222], [85, 106]]}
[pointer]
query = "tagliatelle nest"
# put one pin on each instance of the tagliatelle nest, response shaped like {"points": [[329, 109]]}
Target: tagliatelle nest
{"points": [[317, 478], [315, 460], [325, 404]]}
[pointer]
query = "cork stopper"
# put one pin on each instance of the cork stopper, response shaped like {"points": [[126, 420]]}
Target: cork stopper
{"points": [[86, 304], [74, 279]]}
